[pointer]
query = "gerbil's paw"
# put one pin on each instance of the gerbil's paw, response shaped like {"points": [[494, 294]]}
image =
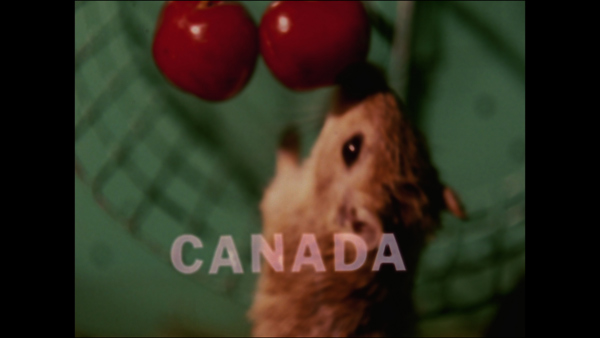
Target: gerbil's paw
{"points": [[289, 149], [454, 204], [354, 218]]}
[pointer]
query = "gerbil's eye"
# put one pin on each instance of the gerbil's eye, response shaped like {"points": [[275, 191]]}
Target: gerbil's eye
{"points": [[351, 149]]}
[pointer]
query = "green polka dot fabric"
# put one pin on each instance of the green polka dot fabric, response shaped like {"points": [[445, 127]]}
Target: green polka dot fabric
{"points": [[152, 163]]}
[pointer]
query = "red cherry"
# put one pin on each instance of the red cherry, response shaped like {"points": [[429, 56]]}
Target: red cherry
{"points": [[207, 48], [307, 44]]}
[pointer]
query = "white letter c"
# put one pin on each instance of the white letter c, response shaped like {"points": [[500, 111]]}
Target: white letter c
{"points": [[176, 257]]}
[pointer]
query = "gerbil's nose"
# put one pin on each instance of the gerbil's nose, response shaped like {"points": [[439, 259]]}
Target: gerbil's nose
{"points": [[361, 80], [357, 82]]}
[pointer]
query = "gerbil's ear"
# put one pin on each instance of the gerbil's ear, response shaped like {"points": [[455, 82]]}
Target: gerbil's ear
{"points": [[288, 152], [363, 223], [453, 203]]}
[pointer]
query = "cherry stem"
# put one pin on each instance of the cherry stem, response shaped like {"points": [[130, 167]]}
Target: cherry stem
{"points": [[204, 4]]}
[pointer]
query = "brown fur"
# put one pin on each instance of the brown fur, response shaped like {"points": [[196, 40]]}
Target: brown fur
{"points": [[393, 180]]}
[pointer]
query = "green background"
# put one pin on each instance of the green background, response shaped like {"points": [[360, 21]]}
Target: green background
{"points": [[152, 163]]}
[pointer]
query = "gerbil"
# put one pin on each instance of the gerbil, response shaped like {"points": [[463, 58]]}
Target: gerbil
{"points": [[368, 173]]}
